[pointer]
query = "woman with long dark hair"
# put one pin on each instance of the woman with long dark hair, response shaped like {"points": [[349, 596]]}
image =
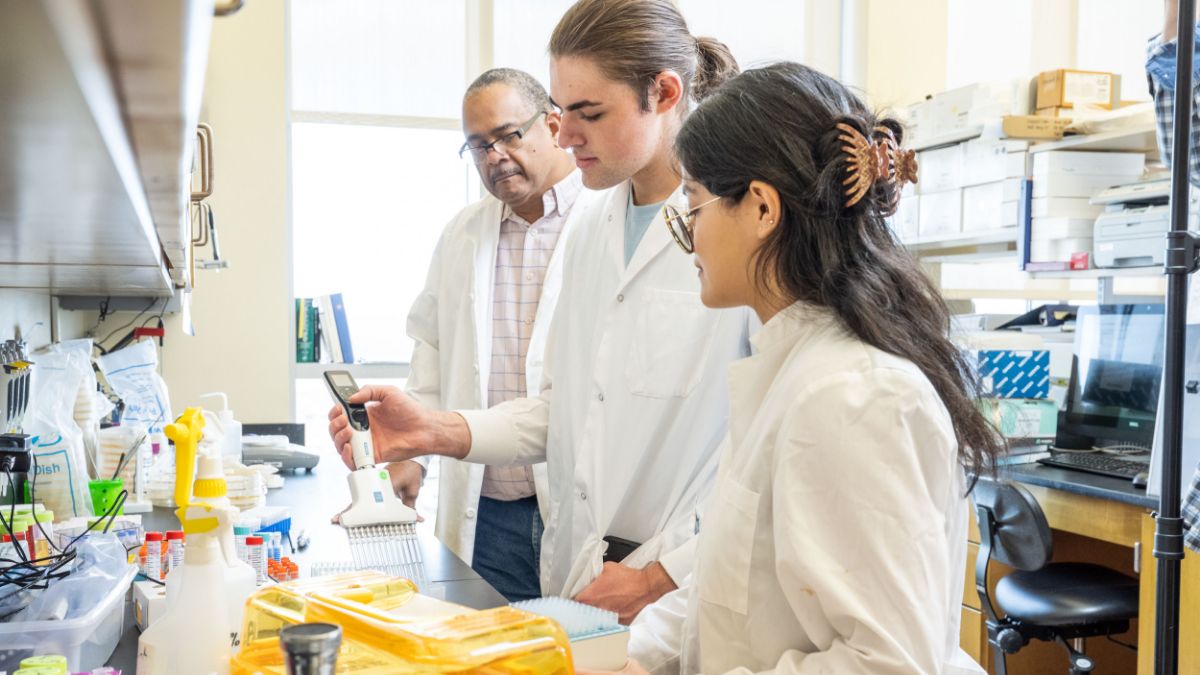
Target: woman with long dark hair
{"points": [[835, 541]]}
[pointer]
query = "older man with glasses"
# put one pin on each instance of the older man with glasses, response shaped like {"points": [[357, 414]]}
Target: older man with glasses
{"points": [[480, 324]]}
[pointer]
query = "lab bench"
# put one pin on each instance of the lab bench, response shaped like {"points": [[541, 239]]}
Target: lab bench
{"points": [[312, 499], [1100, 520]]}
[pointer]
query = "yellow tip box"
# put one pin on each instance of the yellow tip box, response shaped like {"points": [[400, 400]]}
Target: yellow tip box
{"points": [[389, 628]]}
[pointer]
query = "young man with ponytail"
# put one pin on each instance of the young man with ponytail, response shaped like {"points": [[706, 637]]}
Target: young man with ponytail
{"points": [[634, 401]]}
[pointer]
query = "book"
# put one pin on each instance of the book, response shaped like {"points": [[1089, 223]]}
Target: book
{"points": [[305, 331], [343, 328], [329, 333]]}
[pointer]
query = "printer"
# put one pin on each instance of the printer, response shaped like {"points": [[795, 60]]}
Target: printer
{"points": [[1132, 230]]}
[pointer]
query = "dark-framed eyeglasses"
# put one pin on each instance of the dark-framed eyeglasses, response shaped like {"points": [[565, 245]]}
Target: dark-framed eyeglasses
{"points": [[503, 145], [682, 225]]}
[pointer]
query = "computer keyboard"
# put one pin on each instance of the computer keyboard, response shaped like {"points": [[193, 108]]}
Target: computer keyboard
{"points": [[1096, 462]]}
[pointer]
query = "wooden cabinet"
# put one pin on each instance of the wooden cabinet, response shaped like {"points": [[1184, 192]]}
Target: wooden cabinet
{"points": [[98, 107], [1189, 605]]}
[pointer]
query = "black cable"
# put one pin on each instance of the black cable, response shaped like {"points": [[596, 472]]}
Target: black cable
{"points": [[140, 314], [33, 503], [12, 516], [151, 580]]}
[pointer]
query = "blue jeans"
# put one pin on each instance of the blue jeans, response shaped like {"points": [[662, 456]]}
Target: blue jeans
{"points": [[508, 544]]}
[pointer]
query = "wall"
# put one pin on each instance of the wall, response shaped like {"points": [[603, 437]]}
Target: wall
{"points": [[29, 311], [906, 50], [920, 47], [241, 314]]}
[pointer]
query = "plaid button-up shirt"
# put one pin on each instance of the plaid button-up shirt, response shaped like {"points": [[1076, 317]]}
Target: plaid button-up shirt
{"points": [[522, 257]]}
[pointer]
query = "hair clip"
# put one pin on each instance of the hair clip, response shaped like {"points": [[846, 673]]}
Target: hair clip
{"points": [[872, 159], [867, 162]]}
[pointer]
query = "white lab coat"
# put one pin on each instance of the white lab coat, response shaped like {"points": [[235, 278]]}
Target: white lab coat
{"points": [[451, 325], [634, 405], [835, 540]]}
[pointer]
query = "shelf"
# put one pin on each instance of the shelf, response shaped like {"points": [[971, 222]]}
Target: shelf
{"points": [[948, 138], [963, 239], [1099, 273], [360, 371], [1137, 139]]}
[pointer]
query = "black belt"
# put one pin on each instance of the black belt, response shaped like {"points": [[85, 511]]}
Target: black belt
{"points": [[618, 548]]}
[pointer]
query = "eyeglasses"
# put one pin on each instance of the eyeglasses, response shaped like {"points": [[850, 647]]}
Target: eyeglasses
{"points": [[503, 145], [683, 224]]}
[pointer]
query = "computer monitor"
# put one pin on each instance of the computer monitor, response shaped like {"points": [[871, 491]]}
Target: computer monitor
{"points": [[1116, 373]]}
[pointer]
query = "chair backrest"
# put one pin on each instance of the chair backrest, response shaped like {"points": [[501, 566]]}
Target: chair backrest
{"points": [[1012, 517]]}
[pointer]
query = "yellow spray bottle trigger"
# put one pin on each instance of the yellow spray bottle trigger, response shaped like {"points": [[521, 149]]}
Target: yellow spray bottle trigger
{"points": [[186, 433]]}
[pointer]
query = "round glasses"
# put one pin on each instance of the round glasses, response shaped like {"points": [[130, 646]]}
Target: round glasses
{"points": [[683, 224], [503, 145]]}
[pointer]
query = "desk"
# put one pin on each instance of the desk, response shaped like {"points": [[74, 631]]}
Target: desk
{"points": [[1101, 520], [312, 498]]}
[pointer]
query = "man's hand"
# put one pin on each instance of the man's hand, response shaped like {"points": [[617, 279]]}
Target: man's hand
{"points": [[401, 428], [626, 590], [631, 668], [406, 480]]}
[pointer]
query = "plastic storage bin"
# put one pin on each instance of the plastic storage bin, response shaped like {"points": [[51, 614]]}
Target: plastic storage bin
{"points": [[87, 641]]}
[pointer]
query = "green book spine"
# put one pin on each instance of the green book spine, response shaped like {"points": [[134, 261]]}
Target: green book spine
{"points": [[305, 332]]}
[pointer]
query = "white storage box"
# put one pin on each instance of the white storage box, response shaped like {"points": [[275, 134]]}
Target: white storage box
{"points": [[984, 208], [1078, 163], [905, 221], [988, 161], [1058, 250], [940, 213], [1064, 207], [1012, 189], [1064, 185], [87, 641], [1062, 228], [940, 169]]}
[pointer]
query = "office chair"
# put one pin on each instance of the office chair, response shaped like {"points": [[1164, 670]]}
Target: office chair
{"points": [[1054, 602]]}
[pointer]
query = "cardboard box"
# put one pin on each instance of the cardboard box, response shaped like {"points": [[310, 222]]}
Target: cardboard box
{"points": [[1015, 373], [988, 161], [1069, 185], [1033, 126], [1061, 228], [1081, 163], [984, 208], [1063, 88], [940, 169], [1064, 207], [940, 213], [1064, 113]]}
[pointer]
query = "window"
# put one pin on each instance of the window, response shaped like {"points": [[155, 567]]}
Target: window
{"points": [[376, 89]]}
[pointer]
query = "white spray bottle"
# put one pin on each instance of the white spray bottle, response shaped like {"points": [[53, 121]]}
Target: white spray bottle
{"points": [[200, 630], [231, 429]]}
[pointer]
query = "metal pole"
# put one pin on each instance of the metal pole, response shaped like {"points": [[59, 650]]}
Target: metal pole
{"points": [[1168, 535]]}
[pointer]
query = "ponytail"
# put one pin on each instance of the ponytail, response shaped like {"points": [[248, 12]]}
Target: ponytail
{"points": [[714, 66], [632, 41]]}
